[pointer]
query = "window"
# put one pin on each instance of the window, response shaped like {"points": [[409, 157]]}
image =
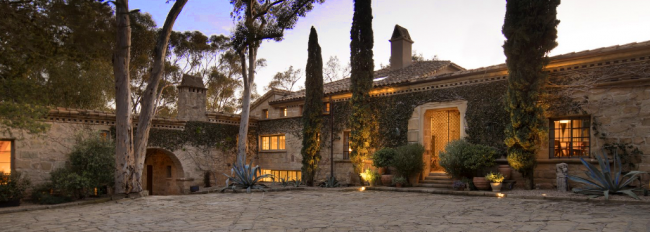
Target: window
{"points": [[327, 107], [569, 137], [5, 156], [104, 134], [265, 113], [283, 112], [284, 174], [347, 149], [273, 142]]}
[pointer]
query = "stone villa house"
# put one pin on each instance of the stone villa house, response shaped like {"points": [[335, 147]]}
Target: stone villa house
{"points": [[596, 97]]}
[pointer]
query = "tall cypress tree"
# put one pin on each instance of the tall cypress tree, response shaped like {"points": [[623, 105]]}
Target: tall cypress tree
{"points": [[530, 28], [313, 109], [361, 78]]}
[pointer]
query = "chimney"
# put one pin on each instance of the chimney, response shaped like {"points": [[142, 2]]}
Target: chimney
{"points": [[400, 48], [191, 99]]}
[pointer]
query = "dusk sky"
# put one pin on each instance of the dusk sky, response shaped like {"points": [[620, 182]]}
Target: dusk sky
{"points": [[467, 32]]}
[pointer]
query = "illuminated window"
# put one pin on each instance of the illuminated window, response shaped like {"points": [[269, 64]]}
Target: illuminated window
{"points": [[327, 107], [104, 134], [347, 149], [5, 156], [569, 137], [265, 113], [287, 175], [283, 112], [273, 142]]}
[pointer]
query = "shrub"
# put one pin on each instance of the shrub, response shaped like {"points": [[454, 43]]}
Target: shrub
{"points": [[42, 194], [494, 177], [383, 158], [463, 159], [370, 176], [408, 159], [399, 180], [13, 186]]}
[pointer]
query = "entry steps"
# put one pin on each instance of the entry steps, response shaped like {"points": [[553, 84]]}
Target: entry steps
{"points": [[437, 180]]}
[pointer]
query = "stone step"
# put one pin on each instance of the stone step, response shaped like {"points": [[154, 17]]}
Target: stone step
{"points": [[437, 178], [437, 174], [434, 185], [437, 181]]}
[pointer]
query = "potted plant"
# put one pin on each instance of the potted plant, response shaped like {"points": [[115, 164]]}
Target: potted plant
{"points": [[12, 188], [399, 181], [383, 159], [495, 179], [462, 159], [409, 162]]}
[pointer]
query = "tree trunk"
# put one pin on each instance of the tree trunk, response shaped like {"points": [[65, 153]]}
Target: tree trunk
{"points": [[249, 78], [123, 129], [147, 108]]}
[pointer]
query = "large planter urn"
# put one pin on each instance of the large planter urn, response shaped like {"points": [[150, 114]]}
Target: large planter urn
{"points": [[481, 183], [386, 180], [381, 171], [506, 171], [496, 187]]}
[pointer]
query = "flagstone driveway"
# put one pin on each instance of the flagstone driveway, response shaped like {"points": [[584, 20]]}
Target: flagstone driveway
{"points": [[332, 211]]}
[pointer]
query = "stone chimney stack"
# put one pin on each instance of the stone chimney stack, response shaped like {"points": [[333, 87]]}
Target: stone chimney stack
{"points": [[191, 99], [400, 48]]}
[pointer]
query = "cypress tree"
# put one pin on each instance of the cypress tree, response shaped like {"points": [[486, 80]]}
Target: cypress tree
{"points": [[312, 110], [530, 31], [361, 79]]}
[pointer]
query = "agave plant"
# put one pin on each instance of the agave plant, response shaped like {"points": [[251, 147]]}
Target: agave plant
{"points": [[245, 176], [330, 183], [606, 181], [296, 183]]}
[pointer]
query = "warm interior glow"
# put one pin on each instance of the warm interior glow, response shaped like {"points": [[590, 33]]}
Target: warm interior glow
{"points": [[565, 121], [5, 156], [362, 189]]}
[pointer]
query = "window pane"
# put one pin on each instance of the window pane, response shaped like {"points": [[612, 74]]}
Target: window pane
{"points": [[274, 142], [5, 156], [282, 142], [265, 143]]}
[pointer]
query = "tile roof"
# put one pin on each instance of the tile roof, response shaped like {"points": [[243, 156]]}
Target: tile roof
{"points": [[416, 71], [192, 81]]}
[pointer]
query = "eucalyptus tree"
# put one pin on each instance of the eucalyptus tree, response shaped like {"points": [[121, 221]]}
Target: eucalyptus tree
{"points": [[285, 80], [256, 21], [530, 28], [313, 110], [130, 151]]}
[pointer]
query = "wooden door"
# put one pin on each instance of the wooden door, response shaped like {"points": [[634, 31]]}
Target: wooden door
{"points": [[445, 127]]}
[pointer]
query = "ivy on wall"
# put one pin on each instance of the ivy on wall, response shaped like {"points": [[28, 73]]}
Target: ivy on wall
{"points": [[201, 135]]}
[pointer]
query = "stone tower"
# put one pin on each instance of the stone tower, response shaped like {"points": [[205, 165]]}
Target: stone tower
{"points": [[400, 48], [191, 99]]}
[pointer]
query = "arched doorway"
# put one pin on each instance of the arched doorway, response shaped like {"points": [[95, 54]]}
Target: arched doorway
{"points": [[162, 169]]}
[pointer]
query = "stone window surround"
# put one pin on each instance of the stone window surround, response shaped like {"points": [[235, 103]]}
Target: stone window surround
{"points": [[12, 154], [415, 130], [269, 150]]}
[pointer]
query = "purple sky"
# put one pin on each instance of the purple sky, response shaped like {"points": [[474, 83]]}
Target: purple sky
{"points": [[467, 32]]}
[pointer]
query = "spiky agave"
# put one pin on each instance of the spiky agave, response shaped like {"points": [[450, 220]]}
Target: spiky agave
{"points": [[606, 181], [245, 176]]}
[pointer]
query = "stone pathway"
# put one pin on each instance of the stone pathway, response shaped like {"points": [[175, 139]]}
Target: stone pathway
{"points": [[332, 211]]}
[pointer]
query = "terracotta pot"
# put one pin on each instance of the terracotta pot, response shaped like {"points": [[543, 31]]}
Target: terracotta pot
{"points": [[399, 185], [481, 183], [381, 171], [414, 179], [506, 171], [386, 180], [496, 187]]}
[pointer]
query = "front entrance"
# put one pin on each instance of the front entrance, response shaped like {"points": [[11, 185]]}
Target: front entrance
{"points": [[441, 127], [162, 171]]}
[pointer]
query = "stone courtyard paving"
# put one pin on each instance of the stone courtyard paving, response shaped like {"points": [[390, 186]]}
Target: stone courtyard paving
{"points": [[332, 211]]}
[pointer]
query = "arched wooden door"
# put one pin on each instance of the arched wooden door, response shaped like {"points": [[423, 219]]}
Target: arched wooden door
{"points": [[444, 127]]}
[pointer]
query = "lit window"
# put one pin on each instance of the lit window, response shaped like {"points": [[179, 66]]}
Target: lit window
{"points": [[265, 113], [569, 137], [283, 112], [273, 142], [287, 175], [327, 107], [5, 156], [347, 149]]}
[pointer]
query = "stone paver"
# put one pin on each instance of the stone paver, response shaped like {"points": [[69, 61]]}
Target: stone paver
{"points": [[333, 211]]}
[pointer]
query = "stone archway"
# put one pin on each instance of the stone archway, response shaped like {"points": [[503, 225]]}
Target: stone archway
{"points": [[421, 122], [162, 171]]}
